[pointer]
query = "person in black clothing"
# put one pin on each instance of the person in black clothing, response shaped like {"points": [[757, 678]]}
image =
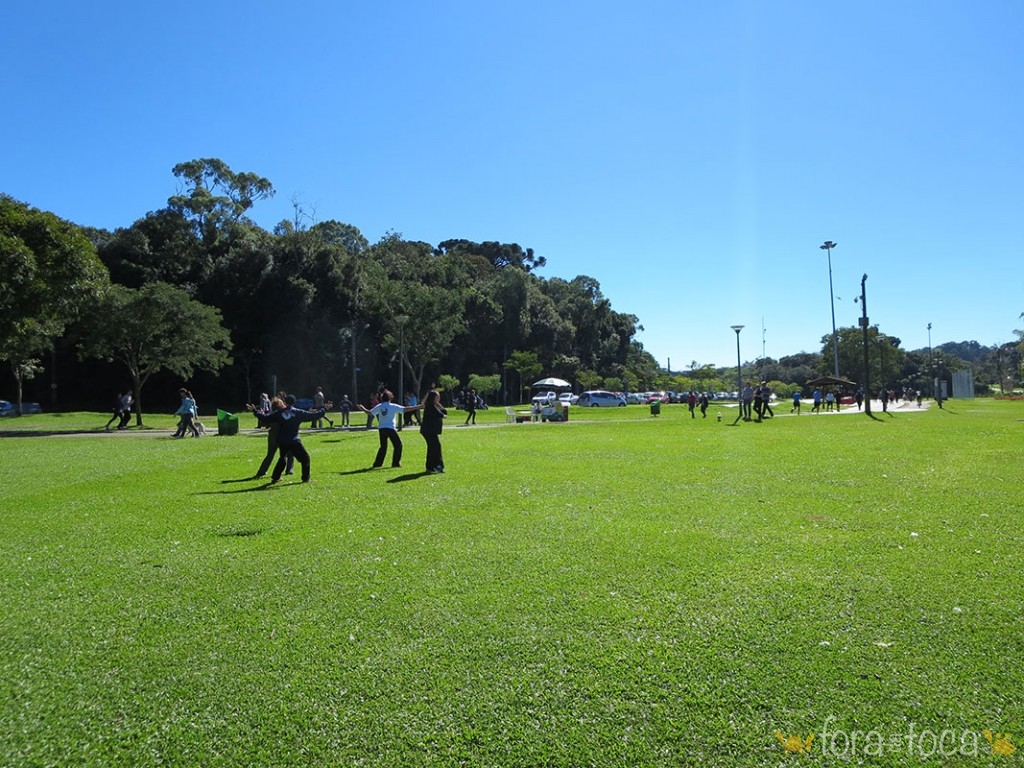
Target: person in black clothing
{"points": [[471, 406], [288, 421], [430, 428], [117, 412], [277, 404]]}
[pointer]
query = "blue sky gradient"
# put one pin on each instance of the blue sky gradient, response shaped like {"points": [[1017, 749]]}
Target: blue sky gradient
{"points": [[689, 156]]}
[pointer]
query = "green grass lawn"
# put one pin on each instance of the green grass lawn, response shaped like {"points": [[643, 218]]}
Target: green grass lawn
{"points": [[622, 590]]}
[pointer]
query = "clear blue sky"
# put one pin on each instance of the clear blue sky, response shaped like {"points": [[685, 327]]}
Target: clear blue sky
{"points": [[689, 156]]}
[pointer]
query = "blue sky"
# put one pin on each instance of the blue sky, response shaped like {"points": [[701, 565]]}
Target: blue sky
{"points": [[689, 156]]}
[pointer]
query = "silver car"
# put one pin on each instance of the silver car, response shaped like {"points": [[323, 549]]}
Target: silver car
{"points": [[599, 398]]}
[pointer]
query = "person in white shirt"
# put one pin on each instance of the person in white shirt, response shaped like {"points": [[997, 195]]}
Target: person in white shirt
{"points": [[386, 413]]}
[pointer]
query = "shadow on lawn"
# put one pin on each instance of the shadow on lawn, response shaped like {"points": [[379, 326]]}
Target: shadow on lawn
{"points": [[256, 488], [410, 476]]}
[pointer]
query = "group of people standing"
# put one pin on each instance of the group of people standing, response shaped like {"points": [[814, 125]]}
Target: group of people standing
{"points": [[283, 419], [756, 401]]}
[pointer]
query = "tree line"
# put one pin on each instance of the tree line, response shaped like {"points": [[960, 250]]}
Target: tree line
{"points": [[196, 293]]}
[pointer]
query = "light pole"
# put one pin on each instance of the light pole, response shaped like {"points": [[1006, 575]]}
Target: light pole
{"points": [[931, 365], [739, 369], [354, 338], [828, 245], [402, 320], [864, 328]]}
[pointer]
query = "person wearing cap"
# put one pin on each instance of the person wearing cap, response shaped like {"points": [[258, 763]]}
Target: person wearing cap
{"points": [[288, 420]]}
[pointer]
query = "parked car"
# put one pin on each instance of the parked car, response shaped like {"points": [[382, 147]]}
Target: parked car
{"points": [[8, 408], [636, 398], [569, 398], [600, 398], [544, 398], [660, 397]]}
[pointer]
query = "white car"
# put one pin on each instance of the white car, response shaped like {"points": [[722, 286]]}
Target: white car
{"points": [[568, 398], [544, 398], [599, 398]]}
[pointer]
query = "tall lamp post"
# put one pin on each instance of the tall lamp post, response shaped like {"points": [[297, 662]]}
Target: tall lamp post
{"points": [[864, 329], [354, 337], [828, 245], [402, 320], [931, 365], [739, 370]]}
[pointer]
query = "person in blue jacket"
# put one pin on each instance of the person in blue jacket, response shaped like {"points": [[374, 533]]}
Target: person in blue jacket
{"points": [[288, 420]]}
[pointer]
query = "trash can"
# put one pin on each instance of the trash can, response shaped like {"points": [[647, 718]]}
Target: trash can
{"points": [[655, 408], [227, 423], [565, 412]]}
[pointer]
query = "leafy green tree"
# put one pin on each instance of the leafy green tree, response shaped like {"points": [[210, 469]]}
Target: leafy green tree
{"points": [[215, 196], [154, 328], [49, 273], [419, 302], [1020, 345], [589, 379], [448, 385], [526, 366], [611, 383], [497, 255], [485, 385], [885, 358]]}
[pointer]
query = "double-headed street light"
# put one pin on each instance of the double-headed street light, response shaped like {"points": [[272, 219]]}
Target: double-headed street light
{"points": [[828, 245]]}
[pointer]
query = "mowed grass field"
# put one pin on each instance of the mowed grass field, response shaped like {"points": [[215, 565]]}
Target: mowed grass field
{"points": [[621, 590]]}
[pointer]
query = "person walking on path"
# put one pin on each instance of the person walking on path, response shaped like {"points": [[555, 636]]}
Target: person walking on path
{"points": [[187, 412], [288, 420], [386, 412], [126, 409], [747, 402], [116, 412], [766, 401], [816, 395], [703, 405], [471, 407], [430, 428], [277, 404], [797, 394]]}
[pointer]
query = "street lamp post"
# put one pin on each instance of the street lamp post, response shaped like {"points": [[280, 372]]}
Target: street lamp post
{"points": [[828, 245], [402, 320], [931, 365], [864, 329], [739, 369], [354, 338]]}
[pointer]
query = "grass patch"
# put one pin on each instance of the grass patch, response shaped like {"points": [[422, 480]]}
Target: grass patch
{"points": [[619, 590]]}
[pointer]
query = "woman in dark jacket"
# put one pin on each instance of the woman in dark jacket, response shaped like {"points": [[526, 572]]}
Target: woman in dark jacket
{"points": [[433, 418]]}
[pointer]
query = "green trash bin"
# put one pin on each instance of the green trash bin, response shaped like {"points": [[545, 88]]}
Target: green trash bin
{"points": [[655, 408], [227, 423]]}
